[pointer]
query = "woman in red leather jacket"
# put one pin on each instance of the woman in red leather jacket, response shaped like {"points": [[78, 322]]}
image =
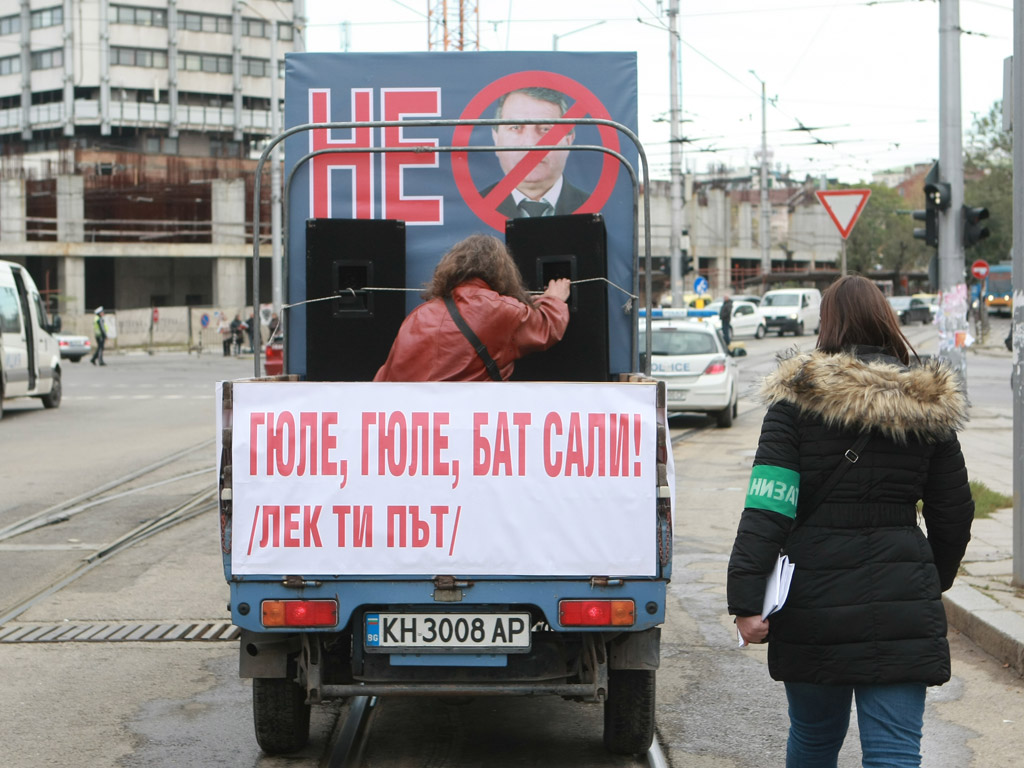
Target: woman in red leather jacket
{"points": [[481, 277]]}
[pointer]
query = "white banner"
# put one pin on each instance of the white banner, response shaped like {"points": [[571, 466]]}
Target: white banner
{"points": [[475, 478]]}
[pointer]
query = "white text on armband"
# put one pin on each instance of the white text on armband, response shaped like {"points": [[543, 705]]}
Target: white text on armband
{"points": [[774, 488]]}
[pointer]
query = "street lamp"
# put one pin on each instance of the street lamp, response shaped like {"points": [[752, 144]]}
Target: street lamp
{"points": [[766, 261], [275, 171], [556, 38]]}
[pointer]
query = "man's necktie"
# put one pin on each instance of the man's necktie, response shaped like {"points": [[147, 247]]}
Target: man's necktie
{"points": [[534, 209]]}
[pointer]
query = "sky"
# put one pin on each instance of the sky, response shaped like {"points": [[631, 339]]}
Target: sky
{"points": [[863, 75]]}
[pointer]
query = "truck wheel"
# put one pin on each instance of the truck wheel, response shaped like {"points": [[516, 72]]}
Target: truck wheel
{"points": [[629, 711], [280, 714], [52, 399], [760, 332], [799, 329]]}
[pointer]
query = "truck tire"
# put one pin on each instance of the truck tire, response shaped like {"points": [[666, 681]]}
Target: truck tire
{"points": [[629, 711], [280, 714], [52, 398]]}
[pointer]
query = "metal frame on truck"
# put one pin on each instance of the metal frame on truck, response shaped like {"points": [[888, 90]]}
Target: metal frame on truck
{"points": [[612, 661]]}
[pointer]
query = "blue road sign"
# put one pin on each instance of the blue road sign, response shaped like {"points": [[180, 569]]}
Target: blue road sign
{"points": [[700, 285]]}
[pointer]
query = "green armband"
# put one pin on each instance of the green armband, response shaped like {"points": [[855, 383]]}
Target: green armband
{"points": [[774, 488]]}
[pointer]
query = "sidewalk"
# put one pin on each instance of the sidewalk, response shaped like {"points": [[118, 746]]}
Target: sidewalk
{"points": [[982, 603]]}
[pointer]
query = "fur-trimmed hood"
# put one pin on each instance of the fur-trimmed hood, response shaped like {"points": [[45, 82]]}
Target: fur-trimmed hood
{"points": [[878, 393]]}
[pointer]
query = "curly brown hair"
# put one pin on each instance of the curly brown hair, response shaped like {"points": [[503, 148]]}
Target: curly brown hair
{"points": [[854, 312], [482, 256]]}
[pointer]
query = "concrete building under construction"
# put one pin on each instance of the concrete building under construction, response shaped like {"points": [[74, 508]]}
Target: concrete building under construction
{"points": [[126, 136]]}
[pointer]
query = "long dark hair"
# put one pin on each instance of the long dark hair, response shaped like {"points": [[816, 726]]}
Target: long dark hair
{"points": [[480, 256], [854, 312]]}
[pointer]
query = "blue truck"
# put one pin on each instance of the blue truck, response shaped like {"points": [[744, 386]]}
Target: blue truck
{"points": [[449, 539]]}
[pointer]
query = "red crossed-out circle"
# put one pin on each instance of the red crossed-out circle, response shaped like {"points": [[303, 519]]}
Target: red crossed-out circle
{"points": [[586, 104]]}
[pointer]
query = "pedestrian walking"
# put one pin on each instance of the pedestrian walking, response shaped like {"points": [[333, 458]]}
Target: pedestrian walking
{"points": [[250, 329], [99, 332], [725, 315], [856, 432]]}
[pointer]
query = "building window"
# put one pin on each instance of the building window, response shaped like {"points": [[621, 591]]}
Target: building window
{"points": [[285, 32], [256, 67], [138, 57], [47, 17], [10, 25], [204, 22], [48, 59], [142, 17], [204, 62], [10, 65]]}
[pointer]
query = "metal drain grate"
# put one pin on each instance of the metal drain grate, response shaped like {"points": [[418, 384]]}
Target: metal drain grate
{"points": [[131, 632]]}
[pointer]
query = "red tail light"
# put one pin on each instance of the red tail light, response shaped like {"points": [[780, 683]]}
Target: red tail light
{"points": [[300, 613], [596, 613], [715, 366]]}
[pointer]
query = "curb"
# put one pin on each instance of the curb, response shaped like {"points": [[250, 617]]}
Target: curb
{"points": [[996, 629]]}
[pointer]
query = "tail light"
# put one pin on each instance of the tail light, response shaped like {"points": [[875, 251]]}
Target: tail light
{"points": [[596, 613], [715, 366], [299, 613]]}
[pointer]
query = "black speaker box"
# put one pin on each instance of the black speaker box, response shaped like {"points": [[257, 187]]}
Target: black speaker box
{"points": [[576, 247], [348, 337]]}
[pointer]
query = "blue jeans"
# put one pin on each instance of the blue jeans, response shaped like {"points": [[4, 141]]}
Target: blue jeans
{"points": [[890, 719]]}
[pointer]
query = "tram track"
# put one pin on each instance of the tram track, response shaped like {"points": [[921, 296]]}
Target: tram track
{"points": [[94, 501], [101, 495]]}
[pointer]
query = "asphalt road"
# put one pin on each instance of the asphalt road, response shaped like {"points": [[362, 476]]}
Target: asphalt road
{"points": [[99, 704]]}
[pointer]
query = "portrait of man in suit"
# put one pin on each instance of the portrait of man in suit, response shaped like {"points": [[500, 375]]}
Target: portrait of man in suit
{"points": [[544, 191]]}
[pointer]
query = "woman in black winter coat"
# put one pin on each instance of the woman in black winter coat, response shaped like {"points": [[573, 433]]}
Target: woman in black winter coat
{"points": [[864, 616]]}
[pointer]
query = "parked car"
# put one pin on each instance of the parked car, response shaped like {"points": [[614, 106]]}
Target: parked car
{"points": [[910, 309], [273, 363], [72, 346], [792, 309], [699, 372], [747, 320]]}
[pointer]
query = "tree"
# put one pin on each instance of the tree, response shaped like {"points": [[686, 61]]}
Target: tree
{"points": [[884, 235], [988, 183]]}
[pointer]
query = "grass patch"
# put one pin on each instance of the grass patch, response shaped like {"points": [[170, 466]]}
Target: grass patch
{"points": [[987, 501]]}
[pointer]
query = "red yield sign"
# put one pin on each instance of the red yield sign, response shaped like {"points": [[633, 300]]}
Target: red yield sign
{"points": [[980, 269], [844, 206]]}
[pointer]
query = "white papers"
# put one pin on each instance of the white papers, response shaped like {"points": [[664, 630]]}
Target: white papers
{"points": [[777, 588], [775, 592]]}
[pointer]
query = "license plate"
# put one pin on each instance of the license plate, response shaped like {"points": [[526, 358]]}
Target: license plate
{"points": [[475, 632], [676, 395]]}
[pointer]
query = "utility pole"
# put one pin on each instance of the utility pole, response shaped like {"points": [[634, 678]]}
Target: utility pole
{"points": [[675, 144], [1017, 71], [953, 322], [764, 212]]}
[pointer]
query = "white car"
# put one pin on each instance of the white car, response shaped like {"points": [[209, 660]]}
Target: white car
{"points": [[747, 319], [699, 372], [72, 346]]}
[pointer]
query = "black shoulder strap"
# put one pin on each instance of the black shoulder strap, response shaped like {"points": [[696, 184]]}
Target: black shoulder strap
{"points": [[481, 349], [849, 459]]}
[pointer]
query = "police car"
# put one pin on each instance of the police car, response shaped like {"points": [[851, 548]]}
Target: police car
{"points": [[700, 374]]}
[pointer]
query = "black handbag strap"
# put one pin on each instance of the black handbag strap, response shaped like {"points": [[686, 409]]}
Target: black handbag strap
{"points": [[850, 458], [481, 349]]}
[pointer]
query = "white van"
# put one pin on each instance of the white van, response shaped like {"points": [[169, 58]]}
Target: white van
{"points": [[792, 309], [29, 355]]}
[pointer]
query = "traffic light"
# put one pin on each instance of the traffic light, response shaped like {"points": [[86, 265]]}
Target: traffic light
{"points": [[685, 262], [930, 232], [974, 230], [936, 198]]}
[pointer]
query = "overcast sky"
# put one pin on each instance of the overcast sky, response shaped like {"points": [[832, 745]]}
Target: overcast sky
{"points": [[864, 75]]}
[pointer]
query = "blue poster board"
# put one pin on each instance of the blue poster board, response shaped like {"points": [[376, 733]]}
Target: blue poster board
{"points": [[444, 197]]}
